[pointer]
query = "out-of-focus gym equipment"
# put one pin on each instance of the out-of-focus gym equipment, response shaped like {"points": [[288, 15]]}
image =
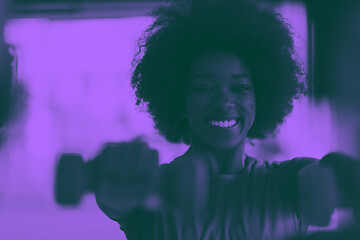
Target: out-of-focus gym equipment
{"points": [[184, 189]]}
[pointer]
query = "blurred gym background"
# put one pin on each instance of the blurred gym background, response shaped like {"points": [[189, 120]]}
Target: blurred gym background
{"points": [[74, 58]]}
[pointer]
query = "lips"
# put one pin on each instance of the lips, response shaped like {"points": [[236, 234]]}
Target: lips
{"points": [[225, 123]]}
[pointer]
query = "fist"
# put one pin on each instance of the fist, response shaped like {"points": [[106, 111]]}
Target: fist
{"points": [[347, 172], [127, 173]]}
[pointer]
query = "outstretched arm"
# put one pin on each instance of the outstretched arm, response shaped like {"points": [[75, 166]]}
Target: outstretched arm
{"points": [[322, 186]]}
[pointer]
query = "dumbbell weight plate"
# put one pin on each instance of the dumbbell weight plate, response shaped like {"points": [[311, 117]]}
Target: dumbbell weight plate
{"points": [[70, 179]]}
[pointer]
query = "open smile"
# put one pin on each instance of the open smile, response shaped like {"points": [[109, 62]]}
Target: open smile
{"points": [[225, 123]]}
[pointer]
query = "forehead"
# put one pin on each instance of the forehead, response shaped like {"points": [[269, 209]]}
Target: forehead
{"points": [[218, 63]]}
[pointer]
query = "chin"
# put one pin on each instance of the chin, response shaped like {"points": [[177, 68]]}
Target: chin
{"points": [[223, 145]]}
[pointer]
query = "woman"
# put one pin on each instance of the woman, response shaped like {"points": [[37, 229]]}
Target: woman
{"points": [[213, 74]]}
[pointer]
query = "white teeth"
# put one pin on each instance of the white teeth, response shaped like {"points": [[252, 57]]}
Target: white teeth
{"points": [[223, 124]]}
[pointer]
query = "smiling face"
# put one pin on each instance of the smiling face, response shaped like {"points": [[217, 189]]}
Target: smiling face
{"points": [[220, 100]]}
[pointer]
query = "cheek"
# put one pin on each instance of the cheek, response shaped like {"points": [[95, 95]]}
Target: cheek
{"points": [[251, 103], [191, 111], [250, 106], [193, 114], [253, 107], [194, 105]]}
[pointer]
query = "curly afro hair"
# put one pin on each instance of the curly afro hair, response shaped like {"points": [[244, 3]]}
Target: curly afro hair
{"points": [[184, 29]]}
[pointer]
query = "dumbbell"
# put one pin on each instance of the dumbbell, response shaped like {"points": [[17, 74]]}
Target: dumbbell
{"points": [[74, 177]]}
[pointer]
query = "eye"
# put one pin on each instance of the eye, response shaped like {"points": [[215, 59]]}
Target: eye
{"points": [[203, 89], [243, 88]]}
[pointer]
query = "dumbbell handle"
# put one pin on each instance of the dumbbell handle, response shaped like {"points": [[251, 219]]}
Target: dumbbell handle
{"points": [[91, 176]]}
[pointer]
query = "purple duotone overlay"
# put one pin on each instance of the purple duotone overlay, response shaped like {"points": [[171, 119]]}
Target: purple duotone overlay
{"points": [[77, 74]]}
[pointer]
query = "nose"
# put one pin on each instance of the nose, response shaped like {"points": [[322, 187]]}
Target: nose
{"points": [[224, 98]]}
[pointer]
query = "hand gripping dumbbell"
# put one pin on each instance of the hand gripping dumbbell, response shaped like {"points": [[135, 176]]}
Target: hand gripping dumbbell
{"points": [[185, 188]]}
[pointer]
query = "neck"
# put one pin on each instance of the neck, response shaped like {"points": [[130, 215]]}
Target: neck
{"points": [[226, 161]]}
